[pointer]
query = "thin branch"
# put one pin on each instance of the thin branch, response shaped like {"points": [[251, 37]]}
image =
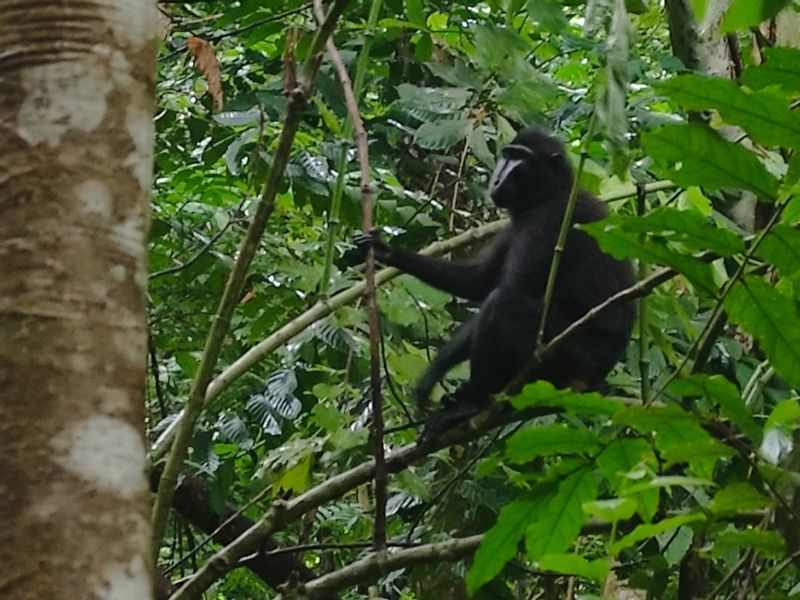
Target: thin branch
{"points": [[381, 476], [638, 290], [185, 265], [297, 100], [566, 225], [380, 563]]}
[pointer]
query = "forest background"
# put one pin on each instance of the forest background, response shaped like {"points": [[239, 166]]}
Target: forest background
{"points": [[270, 373]]}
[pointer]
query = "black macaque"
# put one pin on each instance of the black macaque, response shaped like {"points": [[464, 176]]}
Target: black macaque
{"points": [[532, 181]]}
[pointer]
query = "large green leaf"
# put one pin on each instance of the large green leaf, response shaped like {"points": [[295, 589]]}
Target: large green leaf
{"points": [[572, 564], [768, 543], [781, 248], [499, 544], [643, 532], [548, 440], [440, 135], [548, 13], [738, 498], [780, 68], [743, 14], [427, 103], [687, 227], [544, 393], [621, 237], [415, 12], [559, 519], [764, 115], [720, 391], [677, 434], [617, 461], [772, 317], [694, 154]]}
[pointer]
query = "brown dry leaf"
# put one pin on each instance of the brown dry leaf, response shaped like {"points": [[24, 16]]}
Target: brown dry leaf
{"points": [[207, 64]]}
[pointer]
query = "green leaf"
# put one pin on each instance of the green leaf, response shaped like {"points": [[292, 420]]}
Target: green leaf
{"points": [[743, 14], [781, 68], [784, 415], [614, 509], [767, 543], [617, 462], [764, 115], [457, 74], [544, 393], [738, 498], [415, 13], [615, 237], [722, 392], [688, 228], [426, 103], [479, 147], [677, 435], [441, 135], [296, 478], [695, 154], [572, 564], [548, 14], [643, 532], [772, 317], [499, 544], [423, 48], [547, 440], [781, 249], [559, 519], [688, 452]]}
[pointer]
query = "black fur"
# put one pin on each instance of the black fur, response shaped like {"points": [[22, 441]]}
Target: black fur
{"points": [[532, 181]]}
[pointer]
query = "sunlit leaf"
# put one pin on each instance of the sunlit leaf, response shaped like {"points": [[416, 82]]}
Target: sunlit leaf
{"points": [[764, 115], [743, 14], [772, 317], [572, 564], [720, 391], [696, 155], [781, 67], [500, 543], [737, 498], [642, 532], [547, 440], [558, 521]]}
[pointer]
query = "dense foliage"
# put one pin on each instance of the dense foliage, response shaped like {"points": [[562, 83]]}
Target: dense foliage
{"points": [[681, 474]]}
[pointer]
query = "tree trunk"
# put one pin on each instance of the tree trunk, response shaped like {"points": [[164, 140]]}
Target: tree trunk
{"points": [[76, 104], [700, 49]]}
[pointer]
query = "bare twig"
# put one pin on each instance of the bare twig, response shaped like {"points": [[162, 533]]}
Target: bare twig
{"points": [[381, 476]]}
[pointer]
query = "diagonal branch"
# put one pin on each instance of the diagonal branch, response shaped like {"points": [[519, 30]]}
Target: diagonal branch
{"points": [[297, 101]]}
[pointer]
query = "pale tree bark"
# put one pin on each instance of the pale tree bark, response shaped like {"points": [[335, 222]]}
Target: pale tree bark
{"points": [[76, 134], [699, 46]]}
